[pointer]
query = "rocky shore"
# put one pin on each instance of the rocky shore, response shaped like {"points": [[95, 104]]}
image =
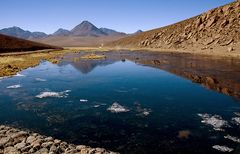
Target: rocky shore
{"points": [[15, 141]]}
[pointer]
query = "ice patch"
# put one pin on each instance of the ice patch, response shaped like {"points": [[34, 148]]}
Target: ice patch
{"points": [[237, 114], [117, 108], [236, 120], [53, 94], [222, 148], [14, 86], [216, 121], [234, 139], [41, 80], [83, 100], [96, 106], [19, 75]]}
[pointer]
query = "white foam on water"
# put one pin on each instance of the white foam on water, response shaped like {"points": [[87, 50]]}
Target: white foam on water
{"points": [[232, 138], [216, 121], [83, 100], [19, 75], [41, 80], [14, 86], [117, 108], [222, 148], [53, 94], [236, 120]]}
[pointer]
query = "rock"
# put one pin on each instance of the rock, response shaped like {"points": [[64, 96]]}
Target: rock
{"points": [[211, 21], [53, 149], [4, 140], [227, 43], [42, 151], [20, 145], [11, 150], [80, 147], [224, 23], [209, 41], [230, 49], [47, 144], [19, 134], [31, 139]]}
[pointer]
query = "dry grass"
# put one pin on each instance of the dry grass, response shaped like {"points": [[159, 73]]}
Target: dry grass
{"points": [[93, 56]]}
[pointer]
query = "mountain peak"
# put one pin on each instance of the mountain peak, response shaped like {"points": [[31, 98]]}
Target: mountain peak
{"points": [[86, 29]]}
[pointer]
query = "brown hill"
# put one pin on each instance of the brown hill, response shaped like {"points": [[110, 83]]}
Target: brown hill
{"points": [[79, 41], [12, 44], [217, 30]]}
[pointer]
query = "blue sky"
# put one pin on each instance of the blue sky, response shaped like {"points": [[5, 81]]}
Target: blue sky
{"points": [[122, 15]]}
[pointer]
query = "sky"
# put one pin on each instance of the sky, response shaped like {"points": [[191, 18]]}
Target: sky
{"points": [[121, 15]]}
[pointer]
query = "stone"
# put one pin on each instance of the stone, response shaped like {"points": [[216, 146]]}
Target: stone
{"points": [[53, 149], [31, 139], [230, 49], [19, 134], [47, 144], [211, 21], [79, 147], [20, 145], [42, 151], [11, 150], [4, 140]]}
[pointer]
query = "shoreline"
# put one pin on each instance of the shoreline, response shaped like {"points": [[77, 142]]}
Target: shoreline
{"points": [[12, 63], [16, 141]]}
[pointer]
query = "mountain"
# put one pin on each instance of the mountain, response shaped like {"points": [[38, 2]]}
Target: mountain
{"points": [[12, 44], [217, 30], [111, 32], [87, 29], [61, 32], [137, 32], [20, 33]]}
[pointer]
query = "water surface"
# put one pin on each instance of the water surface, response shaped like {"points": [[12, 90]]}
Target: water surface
{"points": [[70, 101]]}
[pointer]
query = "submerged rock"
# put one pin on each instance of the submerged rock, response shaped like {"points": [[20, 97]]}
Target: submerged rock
{"points": [[216, 121], [222, 148], [14, 86], [117, 108], [53, 94]]}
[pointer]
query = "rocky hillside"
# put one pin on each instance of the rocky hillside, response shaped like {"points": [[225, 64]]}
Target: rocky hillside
{"points": [[12, 44], [217, 30]]}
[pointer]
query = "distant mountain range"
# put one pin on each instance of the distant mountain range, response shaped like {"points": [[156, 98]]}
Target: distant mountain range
{"points": [[84, 29]]}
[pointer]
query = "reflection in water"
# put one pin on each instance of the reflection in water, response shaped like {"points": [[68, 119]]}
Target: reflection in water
{"points": [[129, 104]]}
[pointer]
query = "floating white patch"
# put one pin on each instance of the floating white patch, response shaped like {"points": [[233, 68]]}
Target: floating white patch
{"points": [[83, 100], [19, 75], [41, 80], [237, 114], [117, 108], [96, 106], [216, 121], [222, 148], [236, 120], [14, 86], [53, 94], [234, 139]]}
